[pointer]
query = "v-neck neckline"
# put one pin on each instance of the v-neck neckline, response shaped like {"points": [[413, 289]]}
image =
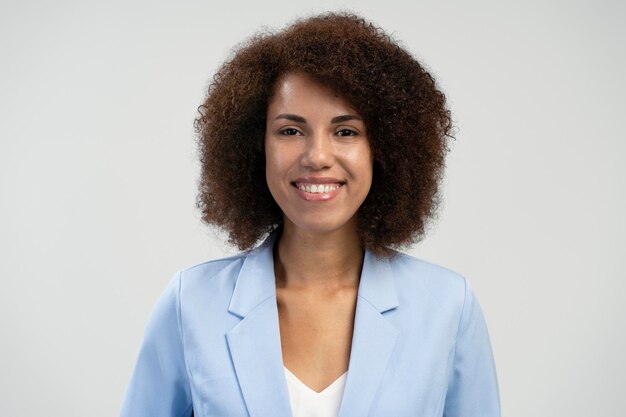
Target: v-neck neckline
{"points": [[330, 387]]}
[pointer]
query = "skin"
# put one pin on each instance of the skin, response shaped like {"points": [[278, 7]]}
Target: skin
{"points": [[318, 258]]}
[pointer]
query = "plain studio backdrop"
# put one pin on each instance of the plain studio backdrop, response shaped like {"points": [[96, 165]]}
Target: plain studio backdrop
{"points": [[98, 173]]}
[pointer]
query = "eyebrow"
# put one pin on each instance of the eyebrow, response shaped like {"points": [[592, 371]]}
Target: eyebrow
{"points": [[336, 119]]}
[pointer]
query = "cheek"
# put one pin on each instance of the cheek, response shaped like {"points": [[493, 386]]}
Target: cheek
{"points": [[368, 174], [363, 164], [276, 164], [270, 171]]}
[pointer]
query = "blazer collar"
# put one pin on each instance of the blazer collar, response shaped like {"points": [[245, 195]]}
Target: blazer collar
{"points": [[256, 280], [255, 346]]}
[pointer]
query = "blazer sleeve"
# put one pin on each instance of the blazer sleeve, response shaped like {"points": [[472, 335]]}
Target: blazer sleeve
{"points": [[473, 385], [159, 386]]}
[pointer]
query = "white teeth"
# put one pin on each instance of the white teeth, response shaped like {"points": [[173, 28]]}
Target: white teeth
{"points": [[317, 188]]}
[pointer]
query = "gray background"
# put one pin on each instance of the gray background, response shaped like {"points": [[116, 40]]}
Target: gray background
{"points": [[98, 173]]}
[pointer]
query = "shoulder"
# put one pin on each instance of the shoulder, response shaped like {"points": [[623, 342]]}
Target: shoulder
{"points": [[230, 265], [417, 277], [210, 273], [203, 288], [410, 267], [212, 266]]}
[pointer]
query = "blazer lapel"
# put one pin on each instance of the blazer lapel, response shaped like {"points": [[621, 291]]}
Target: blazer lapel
{"points": [[255, 347], [254, 342], [373, 339]]}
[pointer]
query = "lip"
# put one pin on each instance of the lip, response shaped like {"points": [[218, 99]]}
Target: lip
{"points": [[318, 180]]}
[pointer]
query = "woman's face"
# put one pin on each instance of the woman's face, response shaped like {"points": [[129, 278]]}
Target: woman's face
{"points": [[318, 156]]}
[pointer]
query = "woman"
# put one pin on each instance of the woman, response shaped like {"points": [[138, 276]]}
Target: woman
{"points": [[328, 140]]}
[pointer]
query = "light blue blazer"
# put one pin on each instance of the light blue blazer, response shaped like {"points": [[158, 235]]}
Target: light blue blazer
{"points": [[420, 345]]}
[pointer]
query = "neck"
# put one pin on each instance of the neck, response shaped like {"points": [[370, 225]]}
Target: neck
{"points": [[321, 261]]}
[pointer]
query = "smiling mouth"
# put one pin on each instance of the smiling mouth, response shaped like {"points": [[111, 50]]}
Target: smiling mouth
{"points": [[316, 188]]}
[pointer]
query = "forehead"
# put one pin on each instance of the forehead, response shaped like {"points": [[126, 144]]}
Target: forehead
{"points": [[300, 92]]}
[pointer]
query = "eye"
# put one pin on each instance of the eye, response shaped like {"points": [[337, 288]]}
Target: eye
{"points": [[290, 131], [346, 132]]}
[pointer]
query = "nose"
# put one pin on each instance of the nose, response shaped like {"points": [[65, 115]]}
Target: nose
{"points": [[318, 152]]}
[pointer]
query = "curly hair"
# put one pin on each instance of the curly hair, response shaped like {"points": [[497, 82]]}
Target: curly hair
{"points": [[405, 114]]}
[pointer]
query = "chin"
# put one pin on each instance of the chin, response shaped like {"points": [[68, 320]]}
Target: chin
{"points": [[317, 226]]}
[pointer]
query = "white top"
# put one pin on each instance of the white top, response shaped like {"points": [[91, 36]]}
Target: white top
{"points": [[305, 402]]}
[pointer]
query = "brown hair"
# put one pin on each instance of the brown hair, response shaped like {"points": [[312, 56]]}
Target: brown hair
{"points": [[405, 114]]}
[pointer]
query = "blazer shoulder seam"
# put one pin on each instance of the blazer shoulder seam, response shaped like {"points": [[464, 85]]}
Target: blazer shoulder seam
{"points": [[179, 323], [465, 291]]}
